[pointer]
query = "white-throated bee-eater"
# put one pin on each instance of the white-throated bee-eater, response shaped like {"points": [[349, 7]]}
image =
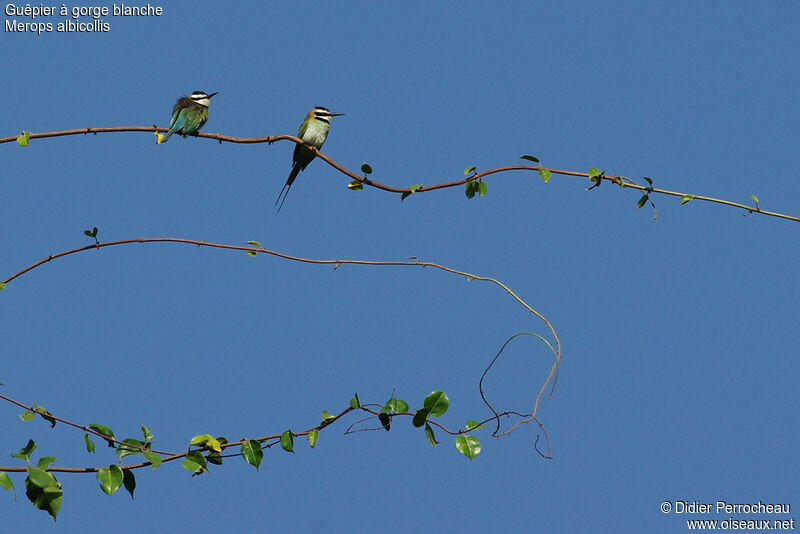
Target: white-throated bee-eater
{"points": [[313, 131], [189, 114]]}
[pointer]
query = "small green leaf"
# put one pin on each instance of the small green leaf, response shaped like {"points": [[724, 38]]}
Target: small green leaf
{"points": [[110, 478], [755, 199], [91, 233], [41, 478], [354, 402], [45, 415], [437, 403], [686, 198], [642, 201], [147, 434], [472, 425], [365, 168], [648, 180], [129, 446], [530, 158], [312, 438], [194, 462], [430, 436], [27, 415], [24, 138], [206, 441], [213, 457], [47, 499], [405, 195], [104, 431], [252, 453], [5, 482], [252, 244], [287, 441], [89, 443], [395, 405], [469, 170], [544, 174], [325, 415], [129, 481], [469, 446], [594, 173], [385, 421], [355, 185], [45, 461], [152, 457], [25, 452], [2, 286], [414, 188], [420, 417], [482, 188], [470, 188]]}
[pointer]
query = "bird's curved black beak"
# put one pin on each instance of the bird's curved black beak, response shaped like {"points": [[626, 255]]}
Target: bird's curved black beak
{"points": [[212, 94]]}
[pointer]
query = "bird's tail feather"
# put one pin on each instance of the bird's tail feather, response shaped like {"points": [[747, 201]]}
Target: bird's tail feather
{"points": [[288, 185]]}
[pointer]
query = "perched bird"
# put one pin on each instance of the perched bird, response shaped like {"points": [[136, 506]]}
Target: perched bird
{"points": [[189, 114], [313, 131]]}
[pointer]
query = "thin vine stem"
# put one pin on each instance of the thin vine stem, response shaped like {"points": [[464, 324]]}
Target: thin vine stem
{"points": [[269, 139]]}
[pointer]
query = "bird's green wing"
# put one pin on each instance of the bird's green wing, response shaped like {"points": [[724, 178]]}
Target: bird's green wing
{"points": [[302, 131]]}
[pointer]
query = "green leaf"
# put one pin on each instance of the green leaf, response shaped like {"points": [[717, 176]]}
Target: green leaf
{"points": [[41, 478], [420, 417], [206, 441], [544, 174], [129, 446], [252, 453], [686, 198], [129, 481], [27, 415], [194, 462], [355, 185], [482, 188], [91, 233], [405, 195], [24, 138], [365, 168], [648, 180], [287, 441], [437, 403], [469, 446], [103, 430], [354, 402], [25, 452], [385, 420], [2, 286], [594, 173], [530, 158], [472, 425], [312, 438], [430, 436], [469, 170], [45, 415], [642, 201], [755, 199], [147, 434], [470, 188], [213, 457], [5, 482], [47, 499], [395, 405], [325, 415], [153, 458], [252, 244], [89, 442], [45, 461], [110, 478]]}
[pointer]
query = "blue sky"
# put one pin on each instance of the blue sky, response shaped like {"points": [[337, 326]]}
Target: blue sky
{"points": [[679, 372]]}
